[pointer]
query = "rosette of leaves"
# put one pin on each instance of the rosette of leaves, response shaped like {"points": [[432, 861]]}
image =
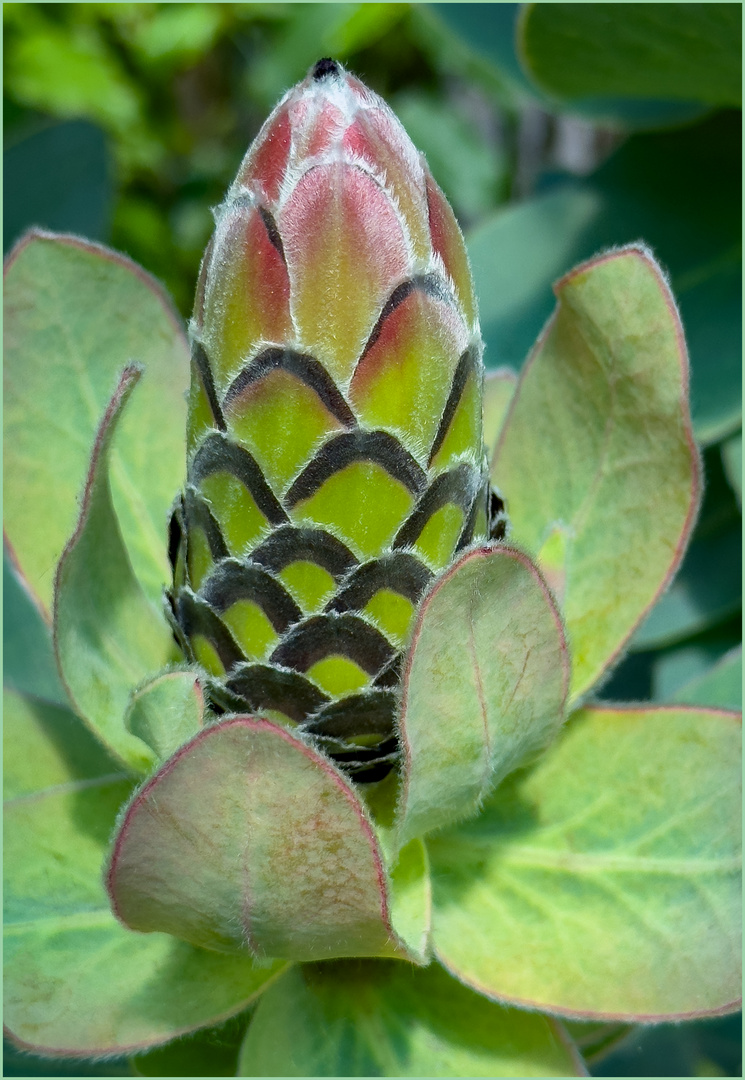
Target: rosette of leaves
{"points": [[352, 785]]}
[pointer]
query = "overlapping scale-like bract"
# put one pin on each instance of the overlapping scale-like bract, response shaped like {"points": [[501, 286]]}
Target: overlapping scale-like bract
{"points": [[335, 450]]}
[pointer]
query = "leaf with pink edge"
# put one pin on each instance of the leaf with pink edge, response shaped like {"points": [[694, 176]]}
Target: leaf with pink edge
{"points": [[248, 840], [381, 1018], [596, 459], [484, 687], [107, 635], [77, 983], [605, 881], [75, 314]]}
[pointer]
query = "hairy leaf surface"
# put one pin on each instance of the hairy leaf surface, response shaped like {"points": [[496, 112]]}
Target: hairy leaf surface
{"points": [[605, 881]]}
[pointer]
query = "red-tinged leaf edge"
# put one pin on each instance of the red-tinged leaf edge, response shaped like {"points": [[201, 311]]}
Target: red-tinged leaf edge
{"points": [[104, 252], [23, 581], [644, 253], [477, 552], [258, 724], [128, 379], [106, 1053], [637, 1018], [110, 255], [569, 1014]]}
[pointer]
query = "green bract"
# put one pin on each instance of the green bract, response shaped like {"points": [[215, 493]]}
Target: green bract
{"points": [[343, 756]]}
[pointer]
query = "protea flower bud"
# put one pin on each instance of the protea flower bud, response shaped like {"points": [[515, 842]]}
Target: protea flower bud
{"points": [[334, 437]]}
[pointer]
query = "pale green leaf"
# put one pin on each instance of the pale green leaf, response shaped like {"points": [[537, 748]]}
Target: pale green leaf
{"points": [[605, 881], [688, 52], [45, 745], [166, 712], [107, 635], [76, 981], [248, 840], [597, 461], [75, 315], [382, 1018], [484, 687]]}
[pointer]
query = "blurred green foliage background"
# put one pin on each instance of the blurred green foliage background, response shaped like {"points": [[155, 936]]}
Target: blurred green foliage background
{"points": [[555, 129]]}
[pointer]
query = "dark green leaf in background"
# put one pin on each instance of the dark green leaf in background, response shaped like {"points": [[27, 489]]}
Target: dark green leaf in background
{"points": [[471, 172], [732, 461], [701, 1048], [58, 178], [708, 587], [689, 52], [28, 657], [678, 670], [490, 30], [720, 686], [657, 188]]}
